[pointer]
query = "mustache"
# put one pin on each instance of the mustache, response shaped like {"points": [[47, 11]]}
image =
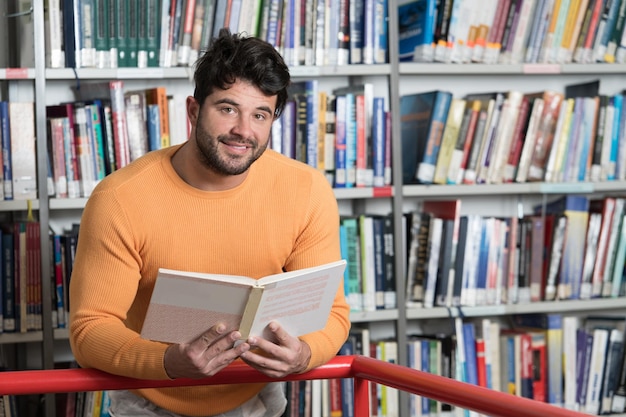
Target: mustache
{"points": [[237, 140]]}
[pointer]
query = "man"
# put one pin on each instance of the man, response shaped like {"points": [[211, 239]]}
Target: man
{"points": [[219, 203]]}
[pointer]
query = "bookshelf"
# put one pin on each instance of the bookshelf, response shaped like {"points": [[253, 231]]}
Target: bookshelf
{"points": [[46, 86]]}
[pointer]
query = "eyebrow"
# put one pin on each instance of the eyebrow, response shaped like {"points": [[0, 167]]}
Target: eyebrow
{"points": [[235, 104]]}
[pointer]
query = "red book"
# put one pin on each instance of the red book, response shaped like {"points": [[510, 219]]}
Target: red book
{"points": [[539, 366], [481, 367]]}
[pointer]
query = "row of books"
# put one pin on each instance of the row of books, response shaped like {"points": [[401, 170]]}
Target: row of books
{"points": [[567, 361], [573, 248], [345, 133], [367, 246], [105, 130], [168, 33], [564, 360], [512, 31], [20, 290], [502, 137]]}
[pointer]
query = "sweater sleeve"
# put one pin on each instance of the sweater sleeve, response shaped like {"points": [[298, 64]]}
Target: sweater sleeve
{"points": [[318, 244], [103, 288]]}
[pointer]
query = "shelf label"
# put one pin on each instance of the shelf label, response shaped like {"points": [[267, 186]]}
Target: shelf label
{"points": [[381, 192], [16, 73]]}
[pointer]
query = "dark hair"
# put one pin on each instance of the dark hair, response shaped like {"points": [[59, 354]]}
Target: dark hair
{"points": [[232, 57]]}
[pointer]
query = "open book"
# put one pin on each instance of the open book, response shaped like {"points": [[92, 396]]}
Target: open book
{"points": [[186, 304]]}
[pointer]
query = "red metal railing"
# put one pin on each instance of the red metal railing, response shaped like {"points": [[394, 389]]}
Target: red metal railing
{"points": [[362, 369]]}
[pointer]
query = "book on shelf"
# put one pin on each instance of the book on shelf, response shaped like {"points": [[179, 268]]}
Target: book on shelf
{"points": [[612, 369], [449, 139], [299, 300], [422, 117], [542, 141], [606, 24], [23, 155], [517, 141], [5, 142], [597, 363], [56, 139], [113, 91], [463, 146], [551, 324], [450, 212], [416, 20]]}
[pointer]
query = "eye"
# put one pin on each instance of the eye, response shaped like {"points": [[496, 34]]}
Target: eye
{"points": [[228, 110], [260, 116]]}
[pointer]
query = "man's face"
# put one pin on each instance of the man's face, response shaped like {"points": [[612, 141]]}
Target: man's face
{"points": [[233, 128]]}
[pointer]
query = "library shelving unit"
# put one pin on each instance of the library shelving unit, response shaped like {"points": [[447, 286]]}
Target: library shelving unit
{"points": [[46, 86]]}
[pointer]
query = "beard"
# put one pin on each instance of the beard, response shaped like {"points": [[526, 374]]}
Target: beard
{"points": [[221, 162]]}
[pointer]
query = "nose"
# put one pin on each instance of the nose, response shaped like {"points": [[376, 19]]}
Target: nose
{"points": [[243, 127]]}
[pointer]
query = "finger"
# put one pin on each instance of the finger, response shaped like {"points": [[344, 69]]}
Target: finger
{"points": [[209, 338]]}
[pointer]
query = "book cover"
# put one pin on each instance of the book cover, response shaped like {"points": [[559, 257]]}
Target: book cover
{"points": [[416, 21], [450, 212], [460, 154], [5, 135], [612, 369], [185, 304], [584, 344], [422, 119], [620, 261], [23, 156], [517, 140], [56, 149], [368, 263], [596, 370], [158, 96], [576, 209], [434, 249], [449, 139], [552, 325]]}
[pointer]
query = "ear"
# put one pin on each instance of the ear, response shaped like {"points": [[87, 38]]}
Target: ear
{"points": [[193, 108]]}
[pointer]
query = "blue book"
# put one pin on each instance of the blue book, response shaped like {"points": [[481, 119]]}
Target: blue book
{"points": [[350, 122], [469, 339], [154, 127], [417, 113], [378, 141], [356, 31], [369, 18], [618, 102], [381, 32], [5, 134], [483, 262], [347, 384], [425, 368], [416, 30], [58, 275], [340, 143]]}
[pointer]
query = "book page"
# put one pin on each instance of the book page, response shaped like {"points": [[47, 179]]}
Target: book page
{"points": [[300, 304], [184, 307]]}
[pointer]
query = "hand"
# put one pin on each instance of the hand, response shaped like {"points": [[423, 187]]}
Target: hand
{"points": [[287, 355], [205, 356]]}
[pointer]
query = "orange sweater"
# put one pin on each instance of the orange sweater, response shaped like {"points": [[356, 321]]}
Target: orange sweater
{"points": [[144, 217]]}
